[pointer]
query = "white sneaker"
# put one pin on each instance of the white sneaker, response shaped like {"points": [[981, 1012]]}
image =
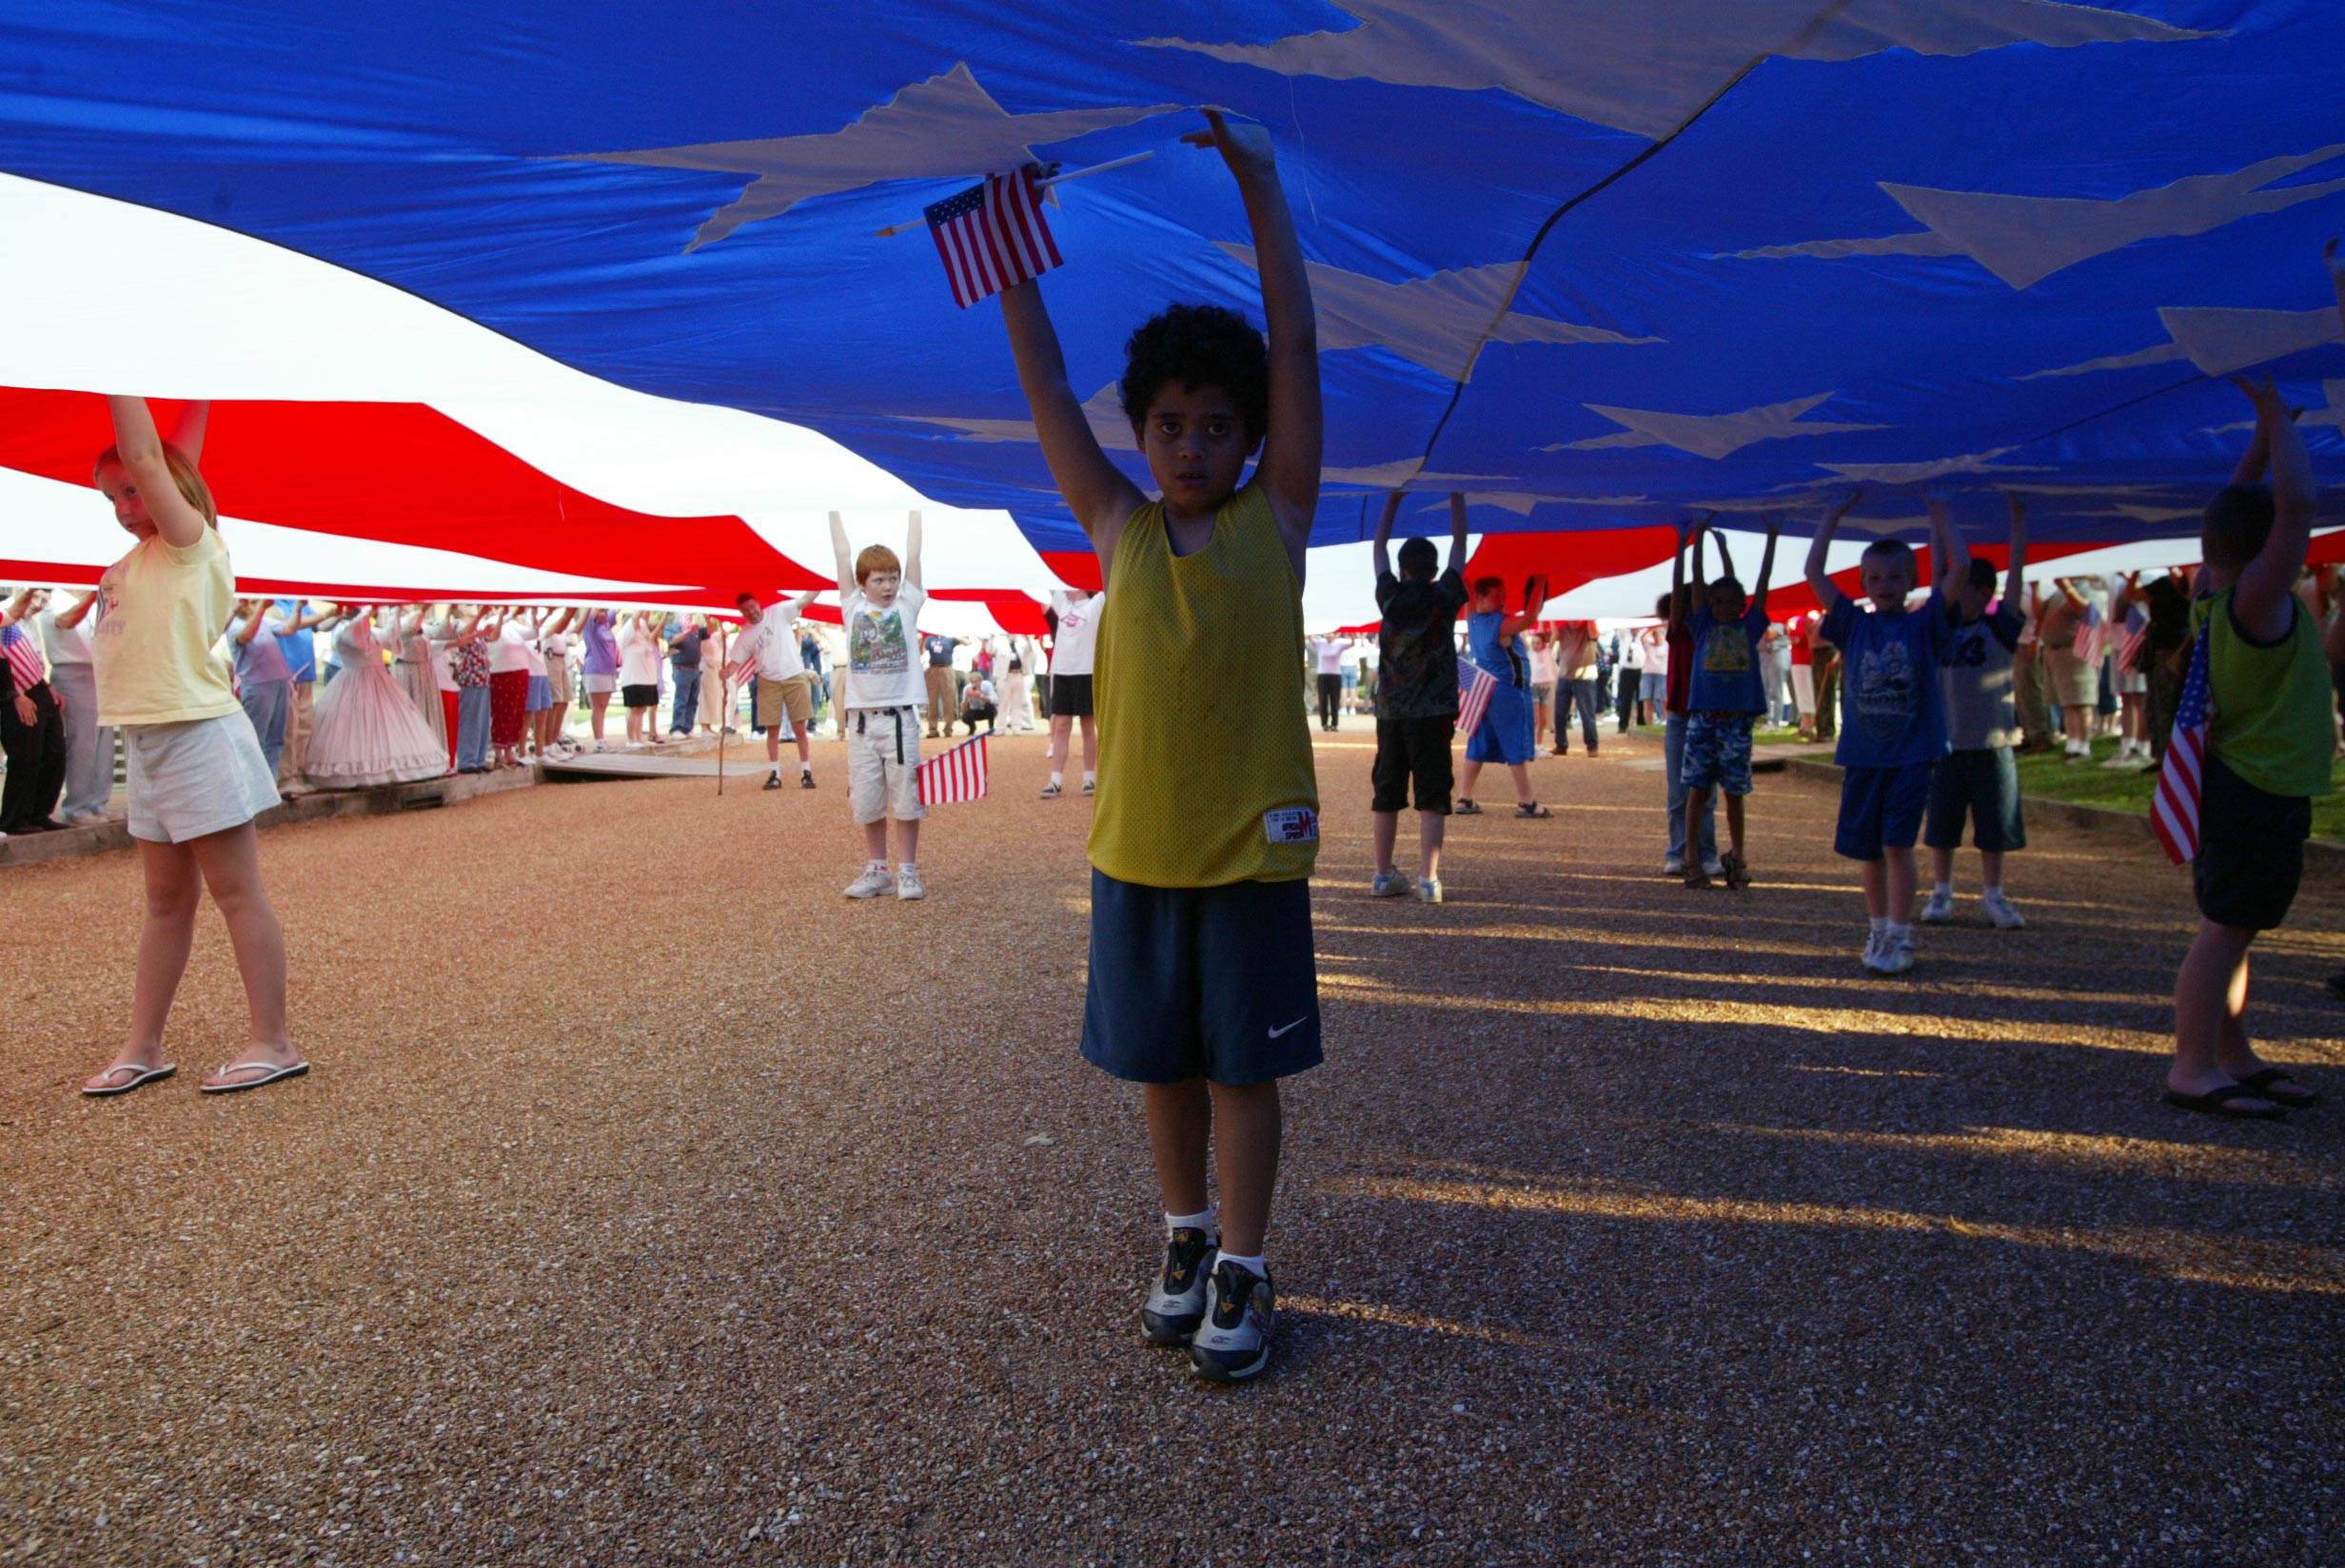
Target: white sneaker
{"points": [[1871, 958], [1941, 906], [1674, 866], [1713, 867], [1428, 890], [1999, 911], [1387, 885], [2125, 761], [908, 883], [874, 882], [1897, 955]]}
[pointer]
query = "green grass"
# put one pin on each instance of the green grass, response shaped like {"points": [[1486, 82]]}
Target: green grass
{"points": [[2050, 776]]}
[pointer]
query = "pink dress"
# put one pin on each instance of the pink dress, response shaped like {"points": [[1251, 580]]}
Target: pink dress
{"points": [[367, 731]]}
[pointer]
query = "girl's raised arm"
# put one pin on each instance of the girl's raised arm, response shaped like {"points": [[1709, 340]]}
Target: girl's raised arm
{"points": [[140, 449]]}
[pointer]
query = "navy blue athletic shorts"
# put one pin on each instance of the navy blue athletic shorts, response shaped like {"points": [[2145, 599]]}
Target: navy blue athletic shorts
{"points": [[1881, 807], [1215, 983]]}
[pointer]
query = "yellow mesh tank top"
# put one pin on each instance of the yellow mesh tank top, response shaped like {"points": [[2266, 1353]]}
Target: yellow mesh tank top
{"points": [[1205, 764]]}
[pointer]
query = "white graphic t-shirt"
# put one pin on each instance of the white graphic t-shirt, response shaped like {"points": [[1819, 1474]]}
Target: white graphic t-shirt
{"points": [[1077, 640], [883, 667]]}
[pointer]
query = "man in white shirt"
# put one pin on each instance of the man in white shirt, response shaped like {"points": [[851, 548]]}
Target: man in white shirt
{"points": [[1072, 651], [88, 745], [1327, 655], [784, 695]]}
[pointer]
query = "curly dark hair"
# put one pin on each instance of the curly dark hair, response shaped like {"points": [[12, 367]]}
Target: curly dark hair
{"points": [[1198, 345]]}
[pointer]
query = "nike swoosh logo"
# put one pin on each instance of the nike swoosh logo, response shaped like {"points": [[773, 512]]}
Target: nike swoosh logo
{"points": [[1297, 1024]]}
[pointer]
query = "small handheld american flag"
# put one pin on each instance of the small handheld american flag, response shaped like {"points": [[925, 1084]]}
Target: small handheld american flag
{"points": [[2092, 636], [1475, 686], [953, 776], [24, 658], [2174, 811], [992, 236]]}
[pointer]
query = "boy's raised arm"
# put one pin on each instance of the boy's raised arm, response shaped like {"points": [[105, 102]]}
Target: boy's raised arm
{"points": [[845, 553], [1767, 563], [1290, 465], [1717, 536], [1383, 534], [1820, 549], [911, 551], [1687, 530], [1457, 531], [1095, 489], [2267, 582], [2015, 578]]}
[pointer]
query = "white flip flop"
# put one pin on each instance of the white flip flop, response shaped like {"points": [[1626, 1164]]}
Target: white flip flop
{"points": [[143, 1076], [272, 1075]]}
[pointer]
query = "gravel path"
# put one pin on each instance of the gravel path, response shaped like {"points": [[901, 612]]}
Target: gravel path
{"points": [[652, 1203]]}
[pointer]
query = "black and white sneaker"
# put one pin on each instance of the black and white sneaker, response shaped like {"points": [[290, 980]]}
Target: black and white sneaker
{"points": [[1176, 1306], [1233, 1342]]}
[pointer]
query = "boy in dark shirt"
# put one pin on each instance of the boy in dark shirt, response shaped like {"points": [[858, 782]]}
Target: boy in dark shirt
{"points": [[1979, 777], [1724, 696], [1416, 697]]}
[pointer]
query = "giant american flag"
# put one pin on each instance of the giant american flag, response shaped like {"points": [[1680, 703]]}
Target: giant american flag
{"points": [[2174, 811], [992, 236], [1474, 688]]}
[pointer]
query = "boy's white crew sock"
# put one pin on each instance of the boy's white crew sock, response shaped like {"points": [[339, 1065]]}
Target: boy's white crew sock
{"points": [[1879, 922], [901, 865], [1057, 777], [1091, 776], [1203, 1220], [1255, 1265], [1898, 931]]}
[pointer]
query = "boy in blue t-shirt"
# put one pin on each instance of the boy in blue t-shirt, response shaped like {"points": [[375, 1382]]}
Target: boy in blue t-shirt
{"points": [[1893, 722], [1726, 697], [1978, 778]]}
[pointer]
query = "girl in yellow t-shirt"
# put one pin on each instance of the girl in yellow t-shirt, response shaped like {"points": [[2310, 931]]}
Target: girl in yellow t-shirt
{"points": [[197, 777]]}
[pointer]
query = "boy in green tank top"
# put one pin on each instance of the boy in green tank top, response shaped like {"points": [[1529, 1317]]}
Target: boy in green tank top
{"points": [[1202, 985], [2268, 751]]}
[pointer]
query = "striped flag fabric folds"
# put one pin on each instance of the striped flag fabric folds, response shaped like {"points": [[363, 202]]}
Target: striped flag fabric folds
{"points": [[992, 236], [1475, 686], [2174, 811], [953, 776]]}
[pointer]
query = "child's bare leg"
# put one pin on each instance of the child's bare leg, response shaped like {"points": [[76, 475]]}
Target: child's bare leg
{"points": [[1246, 1131], [600, 709], [165, 934], [773, 747], [1990, 866], [1465, 778], [2210, 996], [1180, 1119], [1898, 884], [875, 840], [1522, 782], [1697, 801], [1091, 744], [1432, 828], [230, 862], [1734, 822], [1876, 889], [1941, 866], [907, 841], [1062, 725], [1385, 827], [806, 741]]}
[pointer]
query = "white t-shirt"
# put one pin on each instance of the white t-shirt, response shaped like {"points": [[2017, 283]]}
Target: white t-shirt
{"points": [[64, 644], [773, 643], [509, 654], [883, 662], [1330, 653], [442, 635], [1657, 652], [639, 656], [1078, 641]]}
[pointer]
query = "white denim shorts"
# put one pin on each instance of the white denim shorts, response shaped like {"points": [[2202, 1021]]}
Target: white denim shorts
{"points": [[191, 779], [879, 785]]}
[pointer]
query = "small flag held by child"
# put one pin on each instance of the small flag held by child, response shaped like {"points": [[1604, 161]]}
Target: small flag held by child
{"points": [[953, 776], [2174, 811], [1474, 688], [992, 236]]}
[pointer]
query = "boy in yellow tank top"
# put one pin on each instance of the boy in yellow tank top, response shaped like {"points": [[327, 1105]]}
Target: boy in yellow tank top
{"points": [[1203, 984], [2269, 740]]}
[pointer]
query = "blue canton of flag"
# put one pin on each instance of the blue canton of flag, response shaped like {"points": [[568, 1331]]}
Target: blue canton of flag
{"points": [[2173, 813]]}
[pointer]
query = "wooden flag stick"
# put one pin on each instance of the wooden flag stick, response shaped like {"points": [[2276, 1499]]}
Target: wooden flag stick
{"points": [[1043, 183]]}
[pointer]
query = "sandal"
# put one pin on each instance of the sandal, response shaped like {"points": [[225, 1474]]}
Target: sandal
{"points": [[1464, 807], [142, 1077], [1534, 810], [2217, 1103], [2261, 1081], [271, 1073], [1737, 869], [1696, 876]]}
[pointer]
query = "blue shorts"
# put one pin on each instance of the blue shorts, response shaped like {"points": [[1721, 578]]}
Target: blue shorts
{"points": [[1216, 983], [1505, 733], [1717, 752], [1982, 785], [1880, 808]]}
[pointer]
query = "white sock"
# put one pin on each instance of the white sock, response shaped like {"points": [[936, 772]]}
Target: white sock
{"points": [[775, 769], [876, 865], [1879, 923], [1945, 890], [1057, 779], [1254, 1266], [806, 768], [907, 866], [1203, 1221], [1899, 932], [1091, 779]]}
